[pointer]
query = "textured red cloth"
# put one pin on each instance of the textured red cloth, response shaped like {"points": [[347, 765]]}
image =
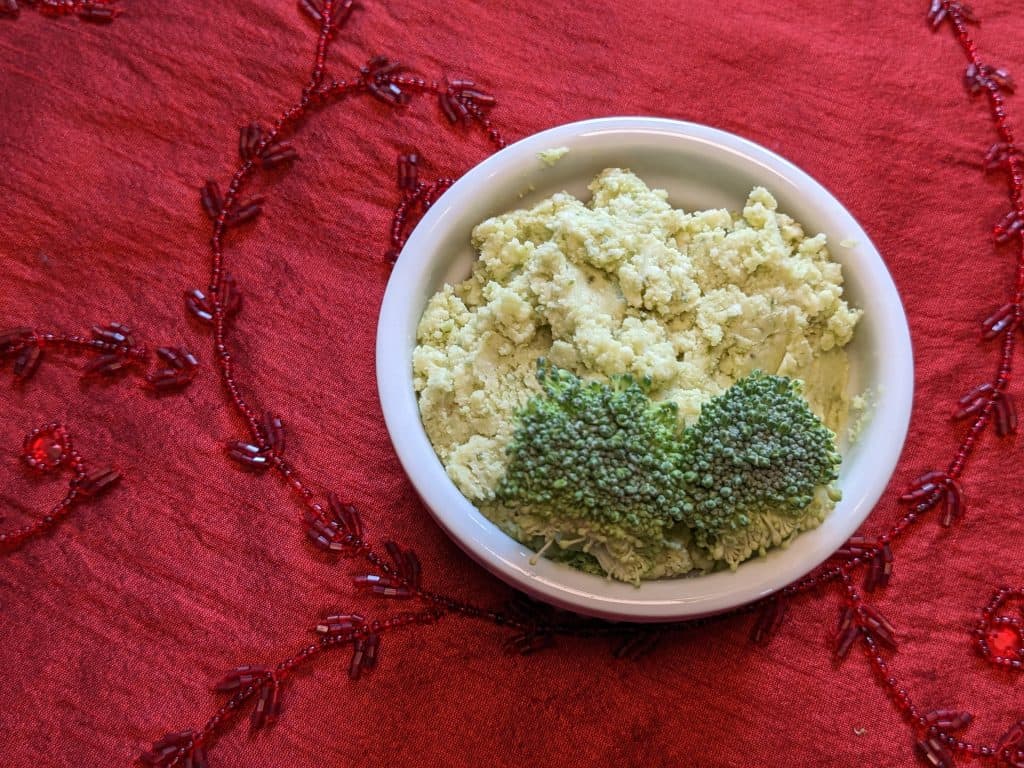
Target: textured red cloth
{"points": [[112, 629]]}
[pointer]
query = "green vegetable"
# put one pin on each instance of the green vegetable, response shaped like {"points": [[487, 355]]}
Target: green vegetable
{"points": [[756, 449], [605, 461], [603, 454], [581, 561]]}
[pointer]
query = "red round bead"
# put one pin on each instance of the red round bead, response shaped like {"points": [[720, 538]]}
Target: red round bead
{"points": [[1005, 642], [45, 449]]}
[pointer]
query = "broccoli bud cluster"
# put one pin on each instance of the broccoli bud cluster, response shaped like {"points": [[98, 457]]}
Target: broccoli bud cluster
{"points": [[756, 448], [606, 459], [603, 452]]}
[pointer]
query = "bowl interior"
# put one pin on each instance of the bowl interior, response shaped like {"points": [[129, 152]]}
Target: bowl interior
{"points": [[700, 168]]}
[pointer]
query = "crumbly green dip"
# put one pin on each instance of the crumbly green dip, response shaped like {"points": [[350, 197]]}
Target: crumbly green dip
{"points": [[551, 156], [626, 284]]}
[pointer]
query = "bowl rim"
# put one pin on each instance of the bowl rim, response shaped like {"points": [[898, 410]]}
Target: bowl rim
{"points": [[504, 557]]}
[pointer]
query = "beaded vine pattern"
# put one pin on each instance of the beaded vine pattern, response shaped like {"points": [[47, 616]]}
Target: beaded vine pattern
{"points": [[93, 11], [335, 526], [863, 566], [112, 354], [45, 450]]}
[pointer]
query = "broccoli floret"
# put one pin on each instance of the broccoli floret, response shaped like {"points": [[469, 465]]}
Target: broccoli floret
{"points": [[605, 461], [756, 448], [598, 457]]}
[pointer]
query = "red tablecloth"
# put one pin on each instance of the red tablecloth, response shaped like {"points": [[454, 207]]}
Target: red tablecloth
{"points": [[112, 629]]}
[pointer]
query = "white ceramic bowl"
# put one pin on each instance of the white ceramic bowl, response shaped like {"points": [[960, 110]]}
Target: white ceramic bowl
{"points": [[701, 168]]}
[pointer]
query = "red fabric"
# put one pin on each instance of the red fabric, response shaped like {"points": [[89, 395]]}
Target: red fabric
{"points": [[112, 629]]}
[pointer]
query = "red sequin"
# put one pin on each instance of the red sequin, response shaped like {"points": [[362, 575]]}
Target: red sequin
{"points": [[47, 449], [999, 635], [1005, 641]]}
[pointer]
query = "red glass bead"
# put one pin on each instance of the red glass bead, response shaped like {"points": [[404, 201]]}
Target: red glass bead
{"points": [[978, 77], [180, 371], [999, 155], [45, 449], [199, 305], [105, 365], [98, 481], [941, 10], [176, 749], [27, 362], [378, 78], [242, 213], [844, 641], [412, 569], [461, 101], [273, 432], [345, 515], [371, 647], [97, 14], [267, 705], [384, 590], [322, 534], [880, 564], [934, 753], [248, 455], [355, 666], [114, 333], [452, 109], [408, 171], [1008, 227], [211, 199], [312, 9], [1005, 641], [948, 719], [406, 565], [1006, 415], [772, 614], [248, 140], [229, 294], [857, 546], [338, 623], [277, 154], [13, 339], [934, 487], [340, 13], [974, 400], [1004, 318]]}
